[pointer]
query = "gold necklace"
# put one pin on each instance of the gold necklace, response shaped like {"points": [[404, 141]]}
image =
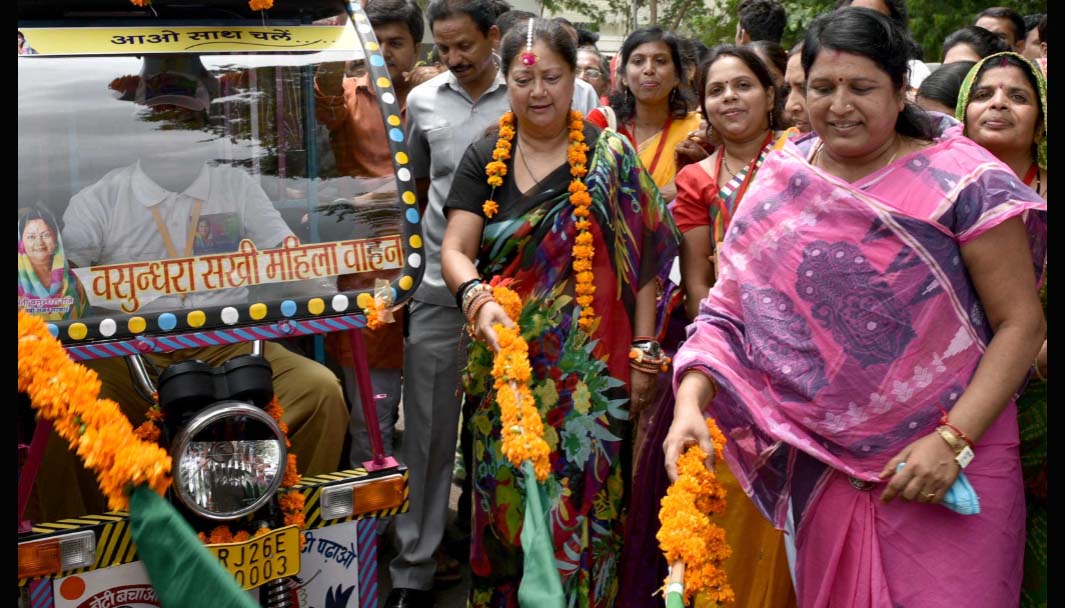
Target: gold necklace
{"points": [[525, 163], [724, 159], [815, 158]]}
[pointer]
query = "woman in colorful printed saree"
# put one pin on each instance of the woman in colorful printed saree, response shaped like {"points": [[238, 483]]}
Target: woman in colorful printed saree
{"points": [[738, 101], [874, 315], [47, 287], [1003, 104], [532, 235], [651, 105]]}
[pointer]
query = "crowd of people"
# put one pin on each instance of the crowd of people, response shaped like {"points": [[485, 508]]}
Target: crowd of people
{"points": [[841, 250], [841, 247]]}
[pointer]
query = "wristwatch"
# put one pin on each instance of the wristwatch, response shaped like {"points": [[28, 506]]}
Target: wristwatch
{"points": [[963, 453]]}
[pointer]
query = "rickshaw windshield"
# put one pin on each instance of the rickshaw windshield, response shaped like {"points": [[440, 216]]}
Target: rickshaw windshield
{"points": [[164, 191]]}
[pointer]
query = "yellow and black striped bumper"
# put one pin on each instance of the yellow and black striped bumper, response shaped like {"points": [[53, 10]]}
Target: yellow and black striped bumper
{"points": [[114, 545]]}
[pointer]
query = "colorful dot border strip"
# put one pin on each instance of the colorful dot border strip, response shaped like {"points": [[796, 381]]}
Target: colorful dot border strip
{"points": [[285, 328], [122, 335]]}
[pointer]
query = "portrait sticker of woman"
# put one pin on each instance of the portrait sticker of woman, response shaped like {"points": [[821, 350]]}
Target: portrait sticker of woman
{"points": [[46, 285], [216, 233]]}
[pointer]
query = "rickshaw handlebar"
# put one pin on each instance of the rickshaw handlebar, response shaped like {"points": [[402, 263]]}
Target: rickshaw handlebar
{"points": [[142, 381]]}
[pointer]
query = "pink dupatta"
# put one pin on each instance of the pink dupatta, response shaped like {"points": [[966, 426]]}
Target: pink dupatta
{"points": [[843, 318]]}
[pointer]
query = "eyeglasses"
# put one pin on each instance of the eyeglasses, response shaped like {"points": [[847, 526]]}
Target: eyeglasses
{"points": [[589, 72]]}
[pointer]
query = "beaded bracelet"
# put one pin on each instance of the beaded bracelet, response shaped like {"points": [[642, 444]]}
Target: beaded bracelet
{"points": [[648, 370], [647, 356], [474, 308], [461, 291], [472, 293]]}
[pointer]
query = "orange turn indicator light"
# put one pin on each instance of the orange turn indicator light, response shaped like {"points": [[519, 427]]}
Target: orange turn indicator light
{"points": [[56, 554], [39, 558], [379, 494]]}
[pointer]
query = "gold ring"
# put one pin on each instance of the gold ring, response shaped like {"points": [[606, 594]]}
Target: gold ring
{"points": [[929, 495]]}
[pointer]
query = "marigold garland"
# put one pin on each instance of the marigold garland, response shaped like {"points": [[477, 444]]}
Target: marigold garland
{"points": [[378, 313], [507, 299], [149, 429], [291, 502], [497, 168], [523, 428], [373, 321], [67, 394], [583, 247], [688, 535]]}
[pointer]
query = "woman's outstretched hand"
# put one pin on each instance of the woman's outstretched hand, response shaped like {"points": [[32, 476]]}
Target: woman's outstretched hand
{"points": [[490, 314], [689, 423]]}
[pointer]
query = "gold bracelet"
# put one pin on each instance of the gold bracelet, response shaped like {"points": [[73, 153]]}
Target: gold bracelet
{"points": [[477, 291], [475, 307], [955, 442]]}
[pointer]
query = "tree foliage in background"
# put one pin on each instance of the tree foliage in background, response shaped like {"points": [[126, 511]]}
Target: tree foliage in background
{"points": [[932, 20]]}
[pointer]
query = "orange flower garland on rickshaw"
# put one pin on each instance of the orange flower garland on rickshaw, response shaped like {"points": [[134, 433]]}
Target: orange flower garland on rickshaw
{"points": [[68, 395]]}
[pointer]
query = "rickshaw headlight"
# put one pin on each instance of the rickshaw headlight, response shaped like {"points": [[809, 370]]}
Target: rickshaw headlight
{"points": [[229, 461]]}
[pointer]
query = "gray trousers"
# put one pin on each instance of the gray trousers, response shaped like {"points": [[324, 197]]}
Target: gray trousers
{"points": [[431, 406]]}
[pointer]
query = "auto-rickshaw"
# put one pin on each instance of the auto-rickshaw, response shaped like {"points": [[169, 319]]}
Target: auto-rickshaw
{"points": [[120, 102]]}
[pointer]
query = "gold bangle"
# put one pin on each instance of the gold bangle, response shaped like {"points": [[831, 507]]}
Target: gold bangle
{"points": [[474, 308], [955, 442]]}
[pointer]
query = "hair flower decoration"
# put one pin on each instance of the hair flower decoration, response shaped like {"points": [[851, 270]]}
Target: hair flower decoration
{"points": [[528, 58]]}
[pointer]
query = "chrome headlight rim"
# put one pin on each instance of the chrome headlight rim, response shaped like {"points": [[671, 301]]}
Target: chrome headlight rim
{"points": [[204, 419]]}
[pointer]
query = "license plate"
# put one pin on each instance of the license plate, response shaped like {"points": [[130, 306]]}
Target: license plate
{"points": [[260, 560]]}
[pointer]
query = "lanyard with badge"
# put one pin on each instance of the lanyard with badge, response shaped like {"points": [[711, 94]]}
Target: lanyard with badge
{"points": [[190, 233]]}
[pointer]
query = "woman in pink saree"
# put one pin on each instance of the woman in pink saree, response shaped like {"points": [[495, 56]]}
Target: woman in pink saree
{"points": [[869, 330]]}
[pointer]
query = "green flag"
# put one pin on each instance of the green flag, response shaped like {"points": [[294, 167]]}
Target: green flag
{"points": [[541, 586], [183, 572]]}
